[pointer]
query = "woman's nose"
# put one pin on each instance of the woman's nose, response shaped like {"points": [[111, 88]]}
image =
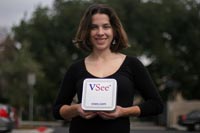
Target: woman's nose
{"points": [[100, 31]]}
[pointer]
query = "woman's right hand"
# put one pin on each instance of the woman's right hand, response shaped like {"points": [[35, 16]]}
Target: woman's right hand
{"points": [[85, 114]]}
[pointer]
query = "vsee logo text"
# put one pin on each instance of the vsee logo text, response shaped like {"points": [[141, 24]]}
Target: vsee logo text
{"points": [[99, 87]]}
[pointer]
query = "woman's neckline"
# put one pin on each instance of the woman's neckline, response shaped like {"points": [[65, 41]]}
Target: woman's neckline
{"points": [[107, 76]]}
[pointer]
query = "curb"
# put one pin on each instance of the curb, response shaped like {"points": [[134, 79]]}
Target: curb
{"points": [[37, 130]]}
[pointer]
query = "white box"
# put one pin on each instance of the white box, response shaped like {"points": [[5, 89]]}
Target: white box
{"points": [[99, 94]]}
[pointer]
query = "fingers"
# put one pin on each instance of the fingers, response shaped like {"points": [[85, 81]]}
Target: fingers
{"points": [[110, 115], [104, 115], [86, 114], [107, 115]]}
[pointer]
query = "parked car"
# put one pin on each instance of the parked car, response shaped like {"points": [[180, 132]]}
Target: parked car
{"points": [[8, 119], [190, 120]]}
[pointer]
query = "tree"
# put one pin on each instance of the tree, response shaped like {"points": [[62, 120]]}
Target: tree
{"points": [[16, 62], [173, 43]]}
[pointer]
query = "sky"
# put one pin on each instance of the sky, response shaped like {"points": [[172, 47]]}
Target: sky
{"points": [[12, 11]]}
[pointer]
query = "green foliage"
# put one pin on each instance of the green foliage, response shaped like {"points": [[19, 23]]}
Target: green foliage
{"points": [[15, 66], [167, 32]]}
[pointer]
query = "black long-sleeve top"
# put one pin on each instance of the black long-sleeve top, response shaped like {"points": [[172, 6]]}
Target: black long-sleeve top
{"points": [[132, 76]]}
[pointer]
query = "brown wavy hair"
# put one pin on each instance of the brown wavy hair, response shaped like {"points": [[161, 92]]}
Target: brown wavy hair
{"points": [[82, 38]]}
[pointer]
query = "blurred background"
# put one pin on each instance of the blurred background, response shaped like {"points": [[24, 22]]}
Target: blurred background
{"points": [[36, 49]]}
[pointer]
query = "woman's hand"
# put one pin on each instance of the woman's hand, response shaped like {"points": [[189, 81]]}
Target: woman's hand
{"points": [[118, 112], [70, 111], [86, 114]]}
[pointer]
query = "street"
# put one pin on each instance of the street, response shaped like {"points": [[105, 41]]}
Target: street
{"points": [[158, 130], [136, 127], [59, 129]]}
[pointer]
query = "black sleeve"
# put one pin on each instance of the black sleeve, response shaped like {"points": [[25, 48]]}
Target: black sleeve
{"points": [[66, 92], [152, 104]]}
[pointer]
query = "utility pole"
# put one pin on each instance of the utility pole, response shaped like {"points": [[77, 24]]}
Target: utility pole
{"points": [[31, 82]]}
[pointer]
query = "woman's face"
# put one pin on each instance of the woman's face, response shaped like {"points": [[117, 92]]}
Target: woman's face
{"points": [[101, 32]]}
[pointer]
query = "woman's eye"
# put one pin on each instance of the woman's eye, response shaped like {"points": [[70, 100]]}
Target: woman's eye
{"points": [[107, 26], [93, 27]]}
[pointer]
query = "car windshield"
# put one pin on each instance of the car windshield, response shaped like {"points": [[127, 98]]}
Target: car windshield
{"points": [[194, 114]]}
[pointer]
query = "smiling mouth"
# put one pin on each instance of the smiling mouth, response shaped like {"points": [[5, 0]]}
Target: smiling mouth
{"points": [[101, 40]]}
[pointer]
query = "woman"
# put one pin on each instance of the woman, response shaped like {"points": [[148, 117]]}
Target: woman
{"points": [[102, 35]]}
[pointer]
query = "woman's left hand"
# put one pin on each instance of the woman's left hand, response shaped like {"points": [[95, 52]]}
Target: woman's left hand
{"points": [[118, 112]]}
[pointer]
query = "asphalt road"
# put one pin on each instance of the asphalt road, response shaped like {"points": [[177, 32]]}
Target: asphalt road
{"points": [[59, 129], [135, 128], [158, 130]]}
